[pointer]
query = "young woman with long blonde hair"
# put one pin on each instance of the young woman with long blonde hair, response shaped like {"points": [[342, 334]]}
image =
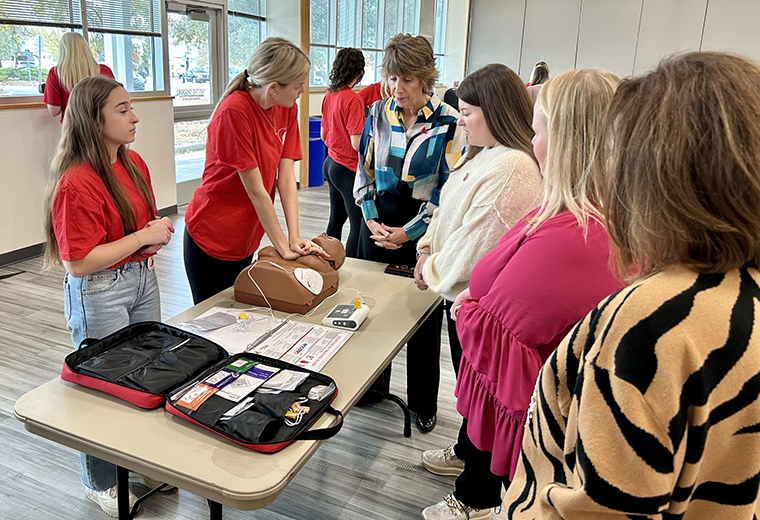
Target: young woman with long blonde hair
{"points": [[253, 143], [101, 226], [75, 62]]}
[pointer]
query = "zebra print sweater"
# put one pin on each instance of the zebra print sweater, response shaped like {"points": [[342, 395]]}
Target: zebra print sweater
{"points": [[649, 408]]}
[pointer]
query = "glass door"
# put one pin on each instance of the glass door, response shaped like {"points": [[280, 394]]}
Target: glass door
{"points": [[197, 76]]}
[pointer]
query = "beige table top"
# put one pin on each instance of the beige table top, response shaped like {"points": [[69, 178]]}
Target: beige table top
{"points": [[166, 448]]}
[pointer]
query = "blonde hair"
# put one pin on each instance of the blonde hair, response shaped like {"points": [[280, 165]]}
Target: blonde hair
{"points": [[410, 55], [75, 61], [574, 103], [681, 153], [384, 92], [275, 60], [82, 142]]}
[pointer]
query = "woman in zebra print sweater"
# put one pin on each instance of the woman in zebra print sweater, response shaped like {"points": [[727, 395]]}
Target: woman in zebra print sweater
{"points": [[649, 408]]}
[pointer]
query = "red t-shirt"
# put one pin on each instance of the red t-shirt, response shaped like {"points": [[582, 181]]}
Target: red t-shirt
{"points": [[84, 215], [57, 95], [241, 136], [342, 117], [370, 94]]}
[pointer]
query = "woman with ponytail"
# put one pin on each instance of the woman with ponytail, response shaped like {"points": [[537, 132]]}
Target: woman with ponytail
{"points": [[253, 143], [101, 226]]}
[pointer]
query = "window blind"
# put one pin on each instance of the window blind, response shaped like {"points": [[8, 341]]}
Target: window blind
{"points": [[247, 7], [61, 13], [136, 17]]}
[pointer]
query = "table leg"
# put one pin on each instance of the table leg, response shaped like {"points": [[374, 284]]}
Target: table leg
{"points": [[122, 488], [215, 510], [404, 408]]}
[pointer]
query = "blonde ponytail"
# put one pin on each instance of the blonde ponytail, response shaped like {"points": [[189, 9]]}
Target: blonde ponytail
{"points": [[275, 60]]}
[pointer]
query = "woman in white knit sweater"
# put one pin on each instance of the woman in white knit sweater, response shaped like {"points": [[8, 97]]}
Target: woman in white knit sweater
{"points": [[495, 183]]}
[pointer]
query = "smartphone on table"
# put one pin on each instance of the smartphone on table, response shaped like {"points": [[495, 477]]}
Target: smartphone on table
{"points": [[400, 270]]}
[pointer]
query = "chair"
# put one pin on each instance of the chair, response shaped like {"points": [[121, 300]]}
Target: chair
{"points": [[451, 99]]}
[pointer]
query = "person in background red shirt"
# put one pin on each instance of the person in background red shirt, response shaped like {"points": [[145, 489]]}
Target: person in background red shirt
{"points": [[342, 124], [374, 92], [102, 227], [253, 142], [75, 62]]}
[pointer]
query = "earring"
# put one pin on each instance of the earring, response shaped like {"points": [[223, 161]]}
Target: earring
{"points": [[274, 94]]}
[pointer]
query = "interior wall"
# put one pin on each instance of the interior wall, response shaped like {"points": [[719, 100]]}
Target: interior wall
{"points": [[625, 36], [284, 19], [456, 42], [28, 148], [496, 33]]}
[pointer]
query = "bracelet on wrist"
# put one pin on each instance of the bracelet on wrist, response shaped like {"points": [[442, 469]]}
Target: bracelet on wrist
{"points": [[422, 252]]}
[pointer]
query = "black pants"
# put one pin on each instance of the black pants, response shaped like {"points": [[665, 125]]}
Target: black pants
{"points": [[476, 486], [208, 275], [342, 205], [454, 346], [423, 369]]}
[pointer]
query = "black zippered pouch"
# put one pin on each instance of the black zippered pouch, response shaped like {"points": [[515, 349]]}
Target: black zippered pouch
{"points": [[152, 364]]}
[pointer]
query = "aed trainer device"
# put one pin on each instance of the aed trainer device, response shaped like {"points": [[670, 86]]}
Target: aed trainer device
{"points": [[346, 316]]}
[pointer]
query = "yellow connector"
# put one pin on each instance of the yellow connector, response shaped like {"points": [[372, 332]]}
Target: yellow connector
{"points": [[357, 303]]}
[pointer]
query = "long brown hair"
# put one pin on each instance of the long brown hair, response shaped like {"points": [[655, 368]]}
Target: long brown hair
{"points": [[682, 155], [506, 106], [82, 142]]}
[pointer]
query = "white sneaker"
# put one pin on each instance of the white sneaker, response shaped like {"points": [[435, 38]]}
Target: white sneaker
{"points": [[143, 480], [107, 500], [443, 462], [452, 509]]}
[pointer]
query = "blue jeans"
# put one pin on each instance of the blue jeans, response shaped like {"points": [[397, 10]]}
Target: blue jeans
{"points": [[100, 304]]}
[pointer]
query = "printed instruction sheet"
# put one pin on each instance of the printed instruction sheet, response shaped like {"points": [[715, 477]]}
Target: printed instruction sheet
{"points": [[303, 344]]}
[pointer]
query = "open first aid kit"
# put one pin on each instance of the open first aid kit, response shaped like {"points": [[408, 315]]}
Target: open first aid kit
{"points": [[259, 402]]}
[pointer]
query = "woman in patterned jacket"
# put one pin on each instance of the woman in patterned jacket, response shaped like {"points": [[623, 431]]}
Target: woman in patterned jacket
{"points": [[649, 408], [409, 144]]}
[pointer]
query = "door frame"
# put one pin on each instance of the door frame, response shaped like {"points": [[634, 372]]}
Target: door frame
{"points": [[218, 70]]}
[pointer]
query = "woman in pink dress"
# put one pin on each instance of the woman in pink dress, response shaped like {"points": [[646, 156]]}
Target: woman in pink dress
{"points": [[545, 274]]}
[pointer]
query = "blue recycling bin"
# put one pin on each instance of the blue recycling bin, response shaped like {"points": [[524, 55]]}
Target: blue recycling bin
{"points": [[317, 152]]}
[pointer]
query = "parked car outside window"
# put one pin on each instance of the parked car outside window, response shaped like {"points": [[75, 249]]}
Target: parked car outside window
{"points": [[195, 75]]}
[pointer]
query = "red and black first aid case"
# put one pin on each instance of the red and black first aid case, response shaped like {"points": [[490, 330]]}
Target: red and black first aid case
{"points": [[152, 364]]}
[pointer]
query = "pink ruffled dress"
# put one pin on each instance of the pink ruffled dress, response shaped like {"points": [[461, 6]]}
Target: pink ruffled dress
{"points": [[525, 296]]}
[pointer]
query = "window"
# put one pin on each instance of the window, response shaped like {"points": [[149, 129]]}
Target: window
{"points": [[246, 29], [30, 31], [366, 25]]}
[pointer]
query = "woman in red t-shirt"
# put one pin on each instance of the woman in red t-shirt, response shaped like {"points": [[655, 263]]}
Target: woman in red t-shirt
{"points": [[102, 227], [253, 142], [342, 124], [75, 62], [374, 92]]}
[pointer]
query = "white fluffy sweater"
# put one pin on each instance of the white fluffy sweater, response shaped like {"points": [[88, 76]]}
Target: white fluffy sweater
{"points": [[479, 203]]}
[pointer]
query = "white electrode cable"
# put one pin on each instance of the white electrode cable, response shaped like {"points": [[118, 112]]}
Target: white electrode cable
{"points": [[271, 310]]}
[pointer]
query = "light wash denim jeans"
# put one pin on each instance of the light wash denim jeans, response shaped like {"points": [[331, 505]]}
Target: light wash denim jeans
{"points": [[100, 304]]}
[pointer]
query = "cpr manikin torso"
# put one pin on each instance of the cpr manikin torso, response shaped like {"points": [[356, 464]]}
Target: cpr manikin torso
{"points": [[291, 285]]}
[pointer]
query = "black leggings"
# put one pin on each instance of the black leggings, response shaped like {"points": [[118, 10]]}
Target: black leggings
{"points": [[477, 486], [342, 205], [208, 275]]}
